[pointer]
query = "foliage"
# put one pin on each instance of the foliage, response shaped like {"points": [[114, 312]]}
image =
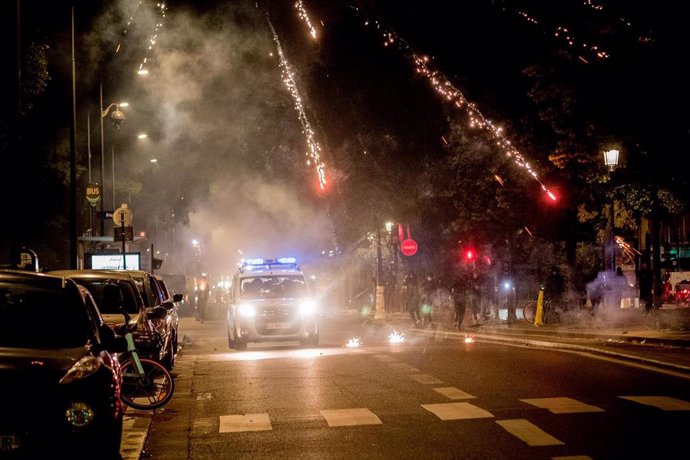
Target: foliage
{"points": [[35, 75]]}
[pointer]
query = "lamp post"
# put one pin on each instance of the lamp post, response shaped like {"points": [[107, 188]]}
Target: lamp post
{"points": [[118, 117], [393, 245], [611, 161]]}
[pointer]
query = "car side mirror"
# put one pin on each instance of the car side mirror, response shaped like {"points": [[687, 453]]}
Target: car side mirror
{"points": [[178, 297]]}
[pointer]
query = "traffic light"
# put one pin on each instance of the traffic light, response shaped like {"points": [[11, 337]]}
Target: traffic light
{"points": [[470, 254]]}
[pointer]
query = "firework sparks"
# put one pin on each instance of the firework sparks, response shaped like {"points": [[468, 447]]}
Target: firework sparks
{"points": [[353, 343], [313, 148], [302, 13], [396, 337], [153, 37]]}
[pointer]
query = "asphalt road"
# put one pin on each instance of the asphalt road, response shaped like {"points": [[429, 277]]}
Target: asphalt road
{"points": [[432, 396]]}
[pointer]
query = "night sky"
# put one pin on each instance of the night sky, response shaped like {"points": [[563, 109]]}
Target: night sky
{"points": [[229, 141]]}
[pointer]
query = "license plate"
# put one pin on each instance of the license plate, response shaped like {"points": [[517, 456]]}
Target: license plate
{"points": [[9, 442], [278, 325]]}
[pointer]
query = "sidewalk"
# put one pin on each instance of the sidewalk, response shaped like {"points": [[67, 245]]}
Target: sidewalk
{"points": [[669, 325]]}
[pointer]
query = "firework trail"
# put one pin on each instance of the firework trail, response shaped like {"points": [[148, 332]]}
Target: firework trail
{"points": [[302, 13], [449, 93], [313, 148]]}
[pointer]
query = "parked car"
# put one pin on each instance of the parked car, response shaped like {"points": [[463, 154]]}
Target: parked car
{"points": [[670, 282], [155, 294], [116, 289], [178, 301], [179, 284], [59, 375]]}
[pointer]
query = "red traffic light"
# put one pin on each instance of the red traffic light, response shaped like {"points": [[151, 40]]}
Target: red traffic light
{"points": [[469, 254]]}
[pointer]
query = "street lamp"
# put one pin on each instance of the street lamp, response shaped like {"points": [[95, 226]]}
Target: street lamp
{"points": [[611, 161], [118, 117]]}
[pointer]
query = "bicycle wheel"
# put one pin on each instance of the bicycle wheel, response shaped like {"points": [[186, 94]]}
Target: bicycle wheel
{"points": [[150, 391], [529, 311]]}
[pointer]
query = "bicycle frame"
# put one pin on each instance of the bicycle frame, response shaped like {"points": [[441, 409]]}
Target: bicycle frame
{"points": [[132, 350]]}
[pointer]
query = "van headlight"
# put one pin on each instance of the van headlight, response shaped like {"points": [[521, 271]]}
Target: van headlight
{"points": [[308, 308], [246, 310]]}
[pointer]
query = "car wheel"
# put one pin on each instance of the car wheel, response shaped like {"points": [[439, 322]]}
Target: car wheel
{"points": [[231, 342], [234, 341]]}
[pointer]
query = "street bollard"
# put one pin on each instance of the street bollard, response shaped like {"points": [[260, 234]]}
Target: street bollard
{"points": [[540, 307]]}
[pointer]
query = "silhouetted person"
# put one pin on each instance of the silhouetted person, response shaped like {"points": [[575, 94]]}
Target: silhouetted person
{"points": [[554, 288], [474, 294], [644, 282], [411, 297], [458, 292], [427, 299]]}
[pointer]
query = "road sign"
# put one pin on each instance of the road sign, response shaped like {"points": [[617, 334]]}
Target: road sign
{"points": [[93, 193], [408, 247], [120, 214]]}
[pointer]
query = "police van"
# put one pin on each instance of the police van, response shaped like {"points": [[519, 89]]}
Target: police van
{"points": [[270, 301]]}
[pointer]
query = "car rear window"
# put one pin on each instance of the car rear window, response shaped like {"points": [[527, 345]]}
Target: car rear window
{"points": [[106, 304], [35, 317]]}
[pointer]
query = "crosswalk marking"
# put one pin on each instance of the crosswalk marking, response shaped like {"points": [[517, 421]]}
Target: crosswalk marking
{"points": [[528, 432], [562, 405], [350, 417], [403, 367], [661, 402], [457, 411], [453, 393], [246, 422], [425, 379], [385, 358], [572, 457]]}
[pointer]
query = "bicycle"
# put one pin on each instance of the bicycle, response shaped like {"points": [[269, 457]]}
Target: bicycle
{"points": [[146, 384], [551, 311]]}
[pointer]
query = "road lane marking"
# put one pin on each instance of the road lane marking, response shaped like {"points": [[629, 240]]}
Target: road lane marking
{"points": [[246, 422], [528, 432], [661, 402], [457, 411], [562, 405], [203, 396], [425, 379], [350, 417], [453, 393]]}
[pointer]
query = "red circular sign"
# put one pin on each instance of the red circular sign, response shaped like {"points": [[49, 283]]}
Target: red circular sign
{"points": [[408, 247]]}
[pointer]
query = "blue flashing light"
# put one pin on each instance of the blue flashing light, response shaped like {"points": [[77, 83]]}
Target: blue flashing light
{"points": [[254, 262], [287, 260]]}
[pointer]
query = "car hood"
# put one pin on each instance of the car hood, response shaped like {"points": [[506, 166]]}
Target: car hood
{"points": [[279, 302], [117, 319], [54, 361]]}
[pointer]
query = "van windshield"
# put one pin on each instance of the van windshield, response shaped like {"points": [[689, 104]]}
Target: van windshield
{"points": [[273, 287]]}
